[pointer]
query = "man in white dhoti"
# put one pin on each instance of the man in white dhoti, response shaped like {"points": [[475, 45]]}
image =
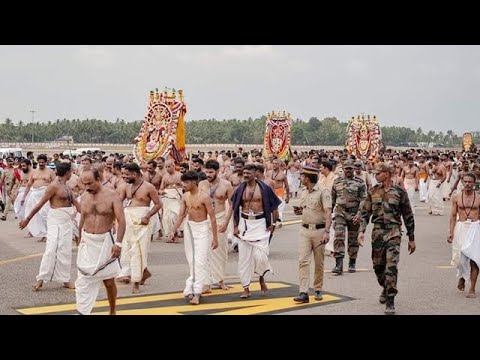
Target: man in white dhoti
{"points": [[138, 233], [465, 234], [255, 212], [197, 206], [410, 181], [171, 192], [26, 167], [422, 176], [435, 195], [98, 251], [220, 192], [36, 187], [57, 258], [280, 187]]}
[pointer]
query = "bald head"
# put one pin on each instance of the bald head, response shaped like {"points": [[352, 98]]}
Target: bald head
{"points": [[170, 166]]}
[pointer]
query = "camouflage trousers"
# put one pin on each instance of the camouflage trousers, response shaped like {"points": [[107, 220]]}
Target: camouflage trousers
{"points": [[385, 257], [339, 244]]}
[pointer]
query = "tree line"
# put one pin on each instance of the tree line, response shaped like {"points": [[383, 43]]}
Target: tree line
{"points": [[329, 131]]}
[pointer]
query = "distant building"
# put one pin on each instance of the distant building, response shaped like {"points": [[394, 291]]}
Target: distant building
{"points": [[65, 139]]}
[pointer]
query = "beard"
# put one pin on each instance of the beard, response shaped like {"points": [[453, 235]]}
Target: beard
{"points": [[130, 181], [25, 171], [212, 179]]}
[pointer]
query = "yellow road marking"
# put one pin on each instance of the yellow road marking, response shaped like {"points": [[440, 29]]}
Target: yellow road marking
{"points": [[248, 307], [446, 267], [3, 262], [236, 288]]}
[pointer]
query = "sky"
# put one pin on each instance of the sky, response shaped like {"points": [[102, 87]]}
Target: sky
{"points": [[432, 87]]}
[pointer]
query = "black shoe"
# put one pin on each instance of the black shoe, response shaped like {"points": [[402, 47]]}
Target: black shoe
{"points": [[351, 266], [383, 296], [235, 247], [390, 308], [302, 298], [318, 295], [338, 269]]}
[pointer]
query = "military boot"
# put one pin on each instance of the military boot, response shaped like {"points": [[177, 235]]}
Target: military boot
{"points": [[383, 296], [351, 265], [390, 308], [338, 269]]}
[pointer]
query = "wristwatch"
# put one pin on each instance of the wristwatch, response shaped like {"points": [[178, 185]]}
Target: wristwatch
{"points": [[119, 244]]}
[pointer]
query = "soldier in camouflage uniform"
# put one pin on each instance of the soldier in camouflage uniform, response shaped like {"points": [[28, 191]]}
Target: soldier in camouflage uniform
{"points": [[386, 204], [348, 196]]}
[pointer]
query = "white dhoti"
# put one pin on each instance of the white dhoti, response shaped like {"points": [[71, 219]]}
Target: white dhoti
{"points": [[155, 220], [253, 249], [435, 198], [171, 209], [422, 190], [57, 258], [38, 224], [466, 247], [197, 240], [17, 206], [410, 185], [218, 258], [446, 188], [293, 182], [95, 264], [136, 243]]}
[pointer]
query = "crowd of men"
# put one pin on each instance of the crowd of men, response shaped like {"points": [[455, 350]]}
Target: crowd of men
{"points": [[113, 207]]}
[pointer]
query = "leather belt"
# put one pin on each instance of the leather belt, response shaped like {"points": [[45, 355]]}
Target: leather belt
{"points": [[253, 217], [313, 226]]}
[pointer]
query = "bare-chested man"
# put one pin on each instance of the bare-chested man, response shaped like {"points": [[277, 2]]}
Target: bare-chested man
{"points": [[138, 213], [410, 180], [422, 178], [220, 192], [253, 227], [36, 187], [8, 179], [196, 206], [57, 258], [235, 179], [435, 196], [171, 191], [98, 251], [458, 185], [161, 166], [279, 178], [26, 167], [153, 176], [465, 234], [448, 168], [260, 175], [109, 174]]}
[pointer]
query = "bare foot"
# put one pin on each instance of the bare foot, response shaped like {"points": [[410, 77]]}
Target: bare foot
{"points": [[223, 286], [43, 239], [471, 294], [461, 284], [245, 294], [124, 279], [136, 288], [206, 289], [263, 285], [189, 296], [68, 285], [146, 275], [195, 300], [38, 285]]}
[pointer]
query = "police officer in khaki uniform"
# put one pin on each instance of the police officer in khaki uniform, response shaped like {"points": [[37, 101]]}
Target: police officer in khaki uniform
{"points": [[387, 204], [8, 179], [316, 210], [348, 196]]}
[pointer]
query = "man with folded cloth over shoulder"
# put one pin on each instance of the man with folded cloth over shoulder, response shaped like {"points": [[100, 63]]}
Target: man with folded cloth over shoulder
{"points": [[98, 250], [316, 210], [255, 212]]}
